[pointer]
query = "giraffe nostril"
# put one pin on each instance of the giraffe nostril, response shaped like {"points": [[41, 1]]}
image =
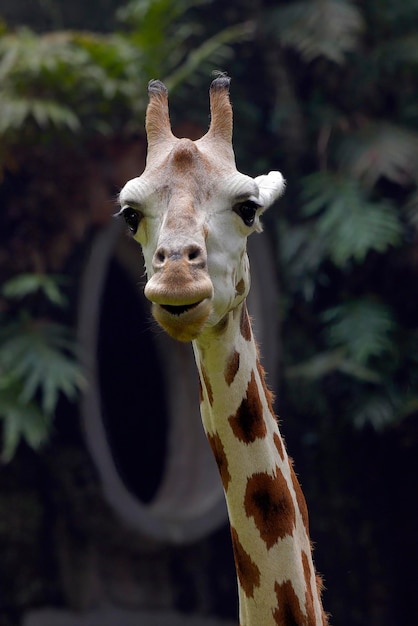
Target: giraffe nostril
{"points": [[160, 256], [194, 253]]}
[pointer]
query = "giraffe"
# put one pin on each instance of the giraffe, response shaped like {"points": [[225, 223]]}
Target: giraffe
{"points": [[192, 211]]}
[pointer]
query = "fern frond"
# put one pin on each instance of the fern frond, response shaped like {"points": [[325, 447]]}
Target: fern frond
{"points": [[25, 285], [349, 224], [16, 111], [26, 54], [215, 49], [383, 407], [376, 410], [380, 150], [364, 328], [329, 362], [39, 356], [319, 28], [21, 420]]}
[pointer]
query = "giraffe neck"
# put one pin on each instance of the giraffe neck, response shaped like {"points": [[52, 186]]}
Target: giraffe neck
{"points": [[267, 512]]}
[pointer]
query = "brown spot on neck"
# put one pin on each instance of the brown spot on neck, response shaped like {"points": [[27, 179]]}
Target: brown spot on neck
{"points": [[267, 392], [248, 422], [206, 383], [279, 445], [269, 501], [220, 458], [289, 612], [300, 498], [309, 603], [245, 325], [247, 571], [232, 367]]}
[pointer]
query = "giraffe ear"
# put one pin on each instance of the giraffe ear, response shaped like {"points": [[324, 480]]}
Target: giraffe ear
{"points": [[271, 186]]}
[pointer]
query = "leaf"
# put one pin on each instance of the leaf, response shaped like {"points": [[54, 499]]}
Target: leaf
{"points": [[346, 221], [410, 211], [159, 29], [326, 363], [213, 48], [364, 328], [56, 80], [381, 408], [27, 284], [40, 357], [319, 28], [21, 420], [380, 150]]}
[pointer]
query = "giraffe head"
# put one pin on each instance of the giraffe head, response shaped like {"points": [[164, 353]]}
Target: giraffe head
{"points": [[192, 211]]}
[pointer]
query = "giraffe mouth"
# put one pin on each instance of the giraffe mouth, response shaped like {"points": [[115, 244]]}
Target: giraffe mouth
{"points": [[179, 309], [183, 322]]}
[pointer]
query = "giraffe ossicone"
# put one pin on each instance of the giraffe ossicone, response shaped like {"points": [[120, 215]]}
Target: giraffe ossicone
{"points": [[192, 212]]}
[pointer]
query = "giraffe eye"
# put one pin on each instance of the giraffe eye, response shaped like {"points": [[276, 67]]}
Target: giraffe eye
{"points": [[247, 210], [131, 217]]}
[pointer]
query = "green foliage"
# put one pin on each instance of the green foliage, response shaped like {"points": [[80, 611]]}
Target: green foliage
{"points": [[71, 83], [356, 211], [37, 365], [319, 28], [173, 42], [338, 114], [157, 28], [347, 223], [339, 224], [364, 328], [84, 82], [65, 81], [28, 284], [380, 150]]}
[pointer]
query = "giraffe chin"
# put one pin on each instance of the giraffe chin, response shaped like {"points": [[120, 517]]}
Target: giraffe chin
{"points": [[183, 322]]}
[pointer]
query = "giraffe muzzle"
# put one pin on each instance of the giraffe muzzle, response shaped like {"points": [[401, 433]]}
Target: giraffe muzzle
{"points": [[181, 293]]}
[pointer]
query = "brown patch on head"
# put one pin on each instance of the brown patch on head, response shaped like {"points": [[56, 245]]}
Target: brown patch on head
{"points": [[269, 502], [220, 458], [184, 153], [247, 571], [245, 325], [289, 612], [267, 392], [248, 422], [279, 445], [206, 383], [232, 367], [300, 498]]}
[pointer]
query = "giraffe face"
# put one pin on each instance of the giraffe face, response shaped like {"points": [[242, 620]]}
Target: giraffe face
{"points": [[192, 211]]}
